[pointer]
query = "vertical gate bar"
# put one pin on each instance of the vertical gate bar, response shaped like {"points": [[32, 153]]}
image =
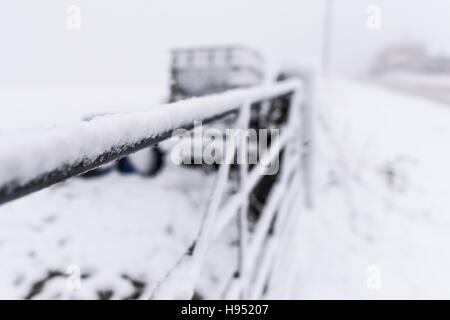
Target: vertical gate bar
{"points": [[243, 212], [229, 210], [232, 290], [270, 245], [189, 266]]}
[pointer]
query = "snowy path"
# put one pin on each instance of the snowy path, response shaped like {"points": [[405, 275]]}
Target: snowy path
{"points": [[382, 184]]}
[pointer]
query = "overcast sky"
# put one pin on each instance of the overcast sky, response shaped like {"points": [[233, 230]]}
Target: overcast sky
{"points": [[128, 41]]}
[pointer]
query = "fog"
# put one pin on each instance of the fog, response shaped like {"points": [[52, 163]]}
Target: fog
{"points": [[120, 43]]}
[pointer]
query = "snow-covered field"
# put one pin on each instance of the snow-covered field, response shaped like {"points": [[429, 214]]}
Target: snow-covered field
{"points": [[432, 86], [381, 181], [122, 231], [381, 222]]}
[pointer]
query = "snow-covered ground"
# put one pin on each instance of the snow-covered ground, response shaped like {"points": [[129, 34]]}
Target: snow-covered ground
{"points": [[122, 231], [381, 181], [432, 86], [381, 222]]}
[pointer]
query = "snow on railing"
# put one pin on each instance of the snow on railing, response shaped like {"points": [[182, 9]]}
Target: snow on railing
{"points": [[35, 159]]}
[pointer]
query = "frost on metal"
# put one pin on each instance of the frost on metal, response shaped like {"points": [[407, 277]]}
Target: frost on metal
{"points": [[27, 155]]}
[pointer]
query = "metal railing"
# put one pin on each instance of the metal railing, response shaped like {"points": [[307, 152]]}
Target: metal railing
{"points": [[130, 132]]}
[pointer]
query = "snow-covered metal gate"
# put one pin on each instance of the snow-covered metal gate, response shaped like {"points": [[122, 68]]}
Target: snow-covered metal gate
{"points": [[36, 159]]}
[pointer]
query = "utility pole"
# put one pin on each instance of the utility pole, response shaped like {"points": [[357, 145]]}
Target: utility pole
{"points": [[326, 40]]}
